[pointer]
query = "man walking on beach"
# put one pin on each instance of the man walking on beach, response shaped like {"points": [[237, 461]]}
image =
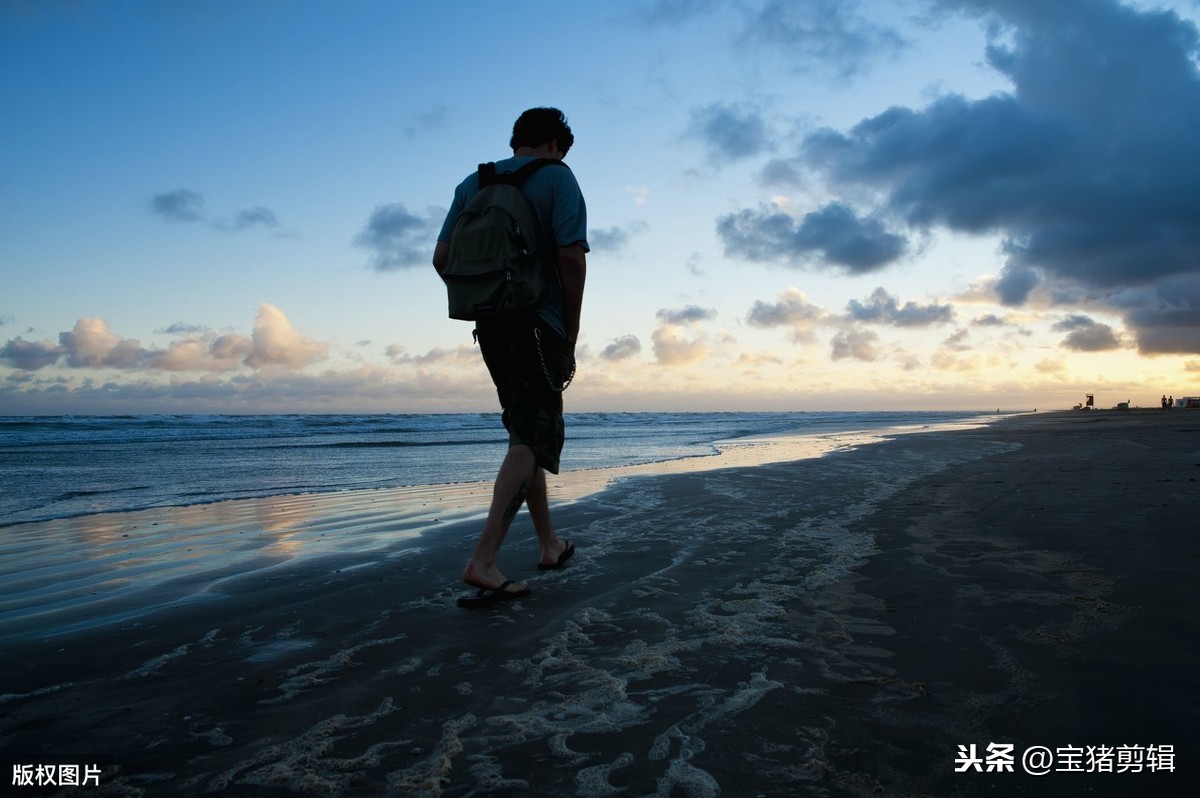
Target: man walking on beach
{"points": [[530, 355]]}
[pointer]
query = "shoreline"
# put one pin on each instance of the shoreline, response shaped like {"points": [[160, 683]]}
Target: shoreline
{"points": [[835, 626], [183, 552], [586, 436]]}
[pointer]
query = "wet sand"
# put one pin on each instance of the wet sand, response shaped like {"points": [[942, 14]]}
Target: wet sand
{"points": [[837, 626]]}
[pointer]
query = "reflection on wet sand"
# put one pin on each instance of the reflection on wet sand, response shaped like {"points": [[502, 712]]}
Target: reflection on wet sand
{"points": [[77, 572]]}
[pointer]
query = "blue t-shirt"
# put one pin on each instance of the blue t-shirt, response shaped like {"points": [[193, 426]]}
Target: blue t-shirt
{"points": [[558, 202]]}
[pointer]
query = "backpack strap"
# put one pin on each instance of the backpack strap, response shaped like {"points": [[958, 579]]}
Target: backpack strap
{"points": [[526, 171], [487, 174]]}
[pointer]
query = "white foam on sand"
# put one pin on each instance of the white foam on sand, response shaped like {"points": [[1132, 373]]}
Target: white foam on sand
{"points": [[712, 588]]}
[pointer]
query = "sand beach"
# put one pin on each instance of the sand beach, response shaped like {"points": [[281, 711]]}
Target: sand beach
{"points": [[866, 623]]}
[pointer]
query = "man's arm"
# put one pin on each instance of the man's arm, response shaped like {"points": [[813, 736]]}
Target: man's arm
{"points": [[441, 254], [572, 267]]}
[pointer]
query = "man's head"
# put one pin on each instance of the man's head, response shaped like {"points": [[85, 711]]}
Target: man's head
{"points": [[539, 126]]}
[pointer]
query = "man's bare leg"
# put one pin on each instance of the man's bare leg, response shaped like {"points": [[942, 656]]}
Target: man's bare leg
{"points": [[538, 501], [510, 491]]}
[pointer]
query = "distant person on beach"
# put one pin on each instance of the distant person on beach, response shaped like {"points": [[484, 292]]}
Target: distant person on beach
{"points": [[530, 355]]}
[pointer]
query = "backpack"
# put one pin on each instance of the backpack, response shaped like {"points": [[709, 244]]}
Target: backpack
{"points": [[495, 266]]}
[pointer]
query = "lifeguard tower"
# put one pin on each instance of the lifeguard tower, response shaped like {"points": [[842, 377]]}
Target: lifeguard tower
{"points": [[1088, 403]]}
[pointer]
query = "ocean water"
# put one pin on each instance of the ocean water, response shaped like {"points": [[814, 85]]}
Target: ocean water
{"points": [[61, 467]]}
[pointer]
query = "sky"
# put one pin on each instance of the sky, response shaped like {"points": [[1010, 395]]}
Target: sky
{"points": [[230, 206]]}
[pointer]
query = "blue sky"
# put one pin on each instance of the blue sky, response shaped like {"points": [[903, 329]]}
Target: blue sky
{"points": [[230, 206]]}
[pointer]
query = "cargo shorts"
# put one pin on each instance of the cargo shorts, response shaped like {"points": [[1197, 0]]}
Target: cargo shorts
{"points": [[529, 364]]}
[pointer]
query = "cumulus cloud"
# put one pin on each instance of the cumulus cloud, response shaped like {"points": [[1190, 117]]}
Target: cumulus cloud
{"points": [[399, 238], [792, 311], [674, 347], [883, 308], [832, 236], [1087, 335], [625, 347], [92, 344], [206, 352], [677, 339], [180, 205], [1087, 168], [275, 342], [730, 132], [855, 344]]}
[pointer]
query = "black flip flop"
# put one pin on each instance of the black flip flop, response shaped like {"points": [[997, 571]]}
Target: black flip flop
{"points": [[562, 558], [487, 596]]}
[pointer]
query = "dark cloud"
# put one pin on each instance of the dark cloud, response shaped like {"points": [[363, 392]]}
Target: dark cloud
{"points": [[821, 35], [883, 308], [614, 239], [686, 315], [989, 320], [399, 238], [1166, 315], [731, 132], [180, 205], [1015, 284], [624, 347], [833, 235], [30, 355], [180, 328], [1084, 334], [1087, 168], [184, 205], [257, 216]]}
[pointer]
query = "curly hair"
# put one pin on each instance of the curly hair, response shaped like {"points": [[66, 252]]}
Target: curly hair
{"points": [[539, 126]]}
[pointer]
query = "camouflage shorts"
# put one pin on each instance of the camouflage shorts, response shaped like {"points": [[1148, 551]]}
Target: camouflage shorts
{"points": [[528, 361]]}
